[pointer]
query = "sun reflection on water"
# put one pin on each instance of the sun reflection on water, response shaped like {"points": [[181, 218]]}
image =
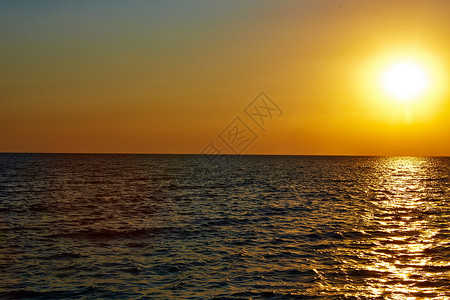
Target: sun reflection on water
{"points": [[400, 229]]}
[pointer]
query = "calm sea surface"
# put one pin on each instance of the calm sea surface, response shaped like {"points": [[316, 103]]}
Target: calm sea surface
{"points": [[187, 226]]}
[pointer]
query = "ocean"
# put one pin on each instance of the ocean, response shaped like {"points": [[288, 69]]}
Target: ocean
{"points": [[79, 226]]}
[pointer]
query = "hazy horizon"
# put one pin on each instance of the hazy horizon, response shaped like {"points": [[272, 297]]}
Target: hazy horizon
{"points": [[228, 154]]}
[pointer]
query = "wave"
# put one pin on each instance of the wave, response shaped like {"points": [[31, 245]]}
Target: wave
{"points": [[109, 233]]}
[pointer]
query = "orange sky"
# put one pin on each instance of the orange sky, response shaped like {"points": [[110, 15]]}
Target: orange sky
{"points": [[168, 77]]}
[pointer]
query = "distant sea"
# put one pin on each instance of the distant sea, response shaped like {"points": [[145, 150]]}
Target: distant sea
{"points": [[232, 227]]}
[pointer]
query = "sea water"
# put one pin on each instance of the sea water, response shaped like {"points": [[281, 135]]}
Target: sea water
{"points": [[195, 226]]}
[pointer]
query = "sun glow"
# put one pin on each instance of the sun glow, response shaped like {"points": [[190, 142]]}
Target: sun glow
{"points": [[405, 80], [402, 84]]}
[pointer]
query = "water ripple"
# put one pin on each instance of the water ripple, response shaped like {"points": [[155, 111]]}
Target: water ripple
{"points": [[176, 226]]}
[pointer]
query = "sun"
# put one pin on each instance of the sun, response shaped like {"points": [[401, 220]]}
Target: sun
{"points": [[401, 84], [405, 80]]}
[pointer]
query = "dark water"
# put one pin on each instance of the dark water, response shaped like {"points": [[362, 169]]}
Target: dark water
{"points": [[143, 226]]}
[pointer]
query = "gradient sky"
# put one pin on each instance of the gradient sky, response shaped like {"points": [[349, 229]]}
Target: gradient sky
{"points": [[169, 76]]}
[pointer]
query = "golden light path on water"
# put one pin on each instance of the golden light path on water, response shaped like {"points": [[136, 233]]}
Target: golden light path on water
{"points": [[398, 259]]}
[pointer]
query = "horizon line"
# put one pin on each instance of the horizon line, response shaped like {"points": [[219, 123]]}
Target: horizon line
{"points": [[228, 154]]}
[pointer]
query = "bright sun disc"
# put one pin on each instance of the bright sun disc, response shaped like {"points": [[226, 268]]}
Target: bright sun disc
{"points": [[405, 81]]}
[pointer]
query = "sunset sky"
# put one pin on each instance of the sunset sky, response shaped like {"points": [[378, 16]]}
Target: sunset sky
{"points": [[170, 76]]}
